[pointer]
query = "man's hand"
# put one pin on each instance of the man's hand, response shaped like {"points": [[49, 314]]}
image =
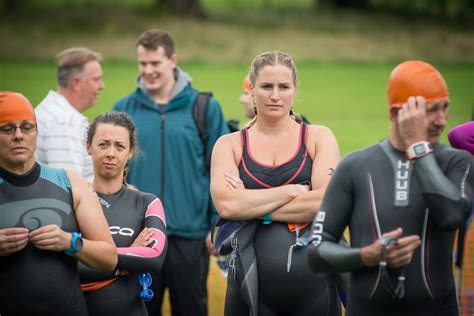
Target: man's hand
{"points": [[13, 240], [398, 255], [412, 121], [51, 237]]}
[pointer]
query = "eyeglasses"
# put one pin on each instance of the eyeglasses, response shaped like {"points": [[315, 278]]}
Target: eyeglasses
{"points": [[25, 128]]}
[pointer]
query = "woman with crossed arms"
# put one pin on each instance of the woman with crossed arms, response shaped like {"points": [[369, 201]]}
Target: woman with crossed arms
{"points": [[136, 221], [271, 176]]}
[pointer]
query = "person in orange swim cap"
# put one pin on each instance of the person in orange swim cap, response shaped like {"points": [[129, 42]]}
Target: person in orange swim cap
{"points": [[246, 99], [15, 107], [43, 209], [414, 85], [402, 199]]}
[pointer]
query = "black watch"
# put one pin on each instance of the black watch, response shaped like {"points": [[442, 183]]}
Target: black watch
{"points": [[76, 244], [418, 150]]}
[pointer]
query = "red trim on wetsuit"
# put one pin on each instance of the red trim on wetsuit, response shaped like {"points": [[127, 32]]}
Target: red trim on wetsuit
{"points": [[280, 164]]}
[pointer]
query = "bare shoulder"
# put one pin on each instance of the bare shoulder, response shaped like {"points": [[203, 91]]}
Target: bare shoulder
{"points": [[227, 147], [318, 133], [79, 185], [229, 140]]}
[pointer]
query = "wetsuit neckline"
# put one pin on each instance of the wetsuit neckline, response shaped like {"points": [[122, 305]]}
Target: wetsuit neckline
{"points": [[112, 194], [21, 180]]}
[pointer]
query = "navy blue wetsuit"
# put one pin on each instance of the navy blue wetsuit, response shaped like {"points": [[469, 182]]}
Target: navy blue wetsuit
{"points": [[127, 212], [376, 190], [34, 281], [280, 292]]}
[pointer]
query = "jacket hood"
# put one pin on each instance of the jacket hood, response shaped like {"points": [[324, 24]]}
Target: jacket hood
{"points": [[183, 79]]}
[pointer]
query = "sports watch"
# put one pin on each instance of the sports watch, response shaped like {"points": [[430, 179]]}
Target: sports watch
{"points": [[418, 150], [76, 244]]}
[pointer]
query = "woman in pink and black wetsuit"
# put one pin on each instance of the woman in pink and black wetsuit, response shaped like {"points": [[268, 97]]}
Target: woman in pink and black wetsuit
{"points": [[136, 221], [258, 178]]}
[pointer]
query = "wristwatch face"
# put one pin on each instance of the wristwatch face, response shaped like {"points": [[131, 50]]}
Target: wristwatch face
{"points": [[420, 149], [78, 244]]}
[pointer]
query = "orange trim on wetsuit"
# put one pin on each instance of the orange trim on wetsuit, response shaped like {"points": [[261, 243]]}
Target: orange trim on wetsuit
{"points": [[94, 286]]}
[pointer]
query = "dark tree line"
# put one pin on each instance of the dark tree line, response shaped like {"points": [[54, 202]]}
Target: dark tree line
{"points": [[444, 8]]}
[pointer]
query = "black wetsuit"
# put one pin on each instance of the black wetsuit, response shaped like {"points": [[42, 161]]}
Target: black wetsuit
{"points": [[376, 190], [33, 281], [281, 292], [127, 213]]}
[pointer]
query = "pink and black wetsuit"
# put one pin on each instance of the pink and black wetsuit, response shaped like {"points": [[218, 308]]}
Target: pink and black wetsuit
{"points": [[127, 212], [280, 292]]}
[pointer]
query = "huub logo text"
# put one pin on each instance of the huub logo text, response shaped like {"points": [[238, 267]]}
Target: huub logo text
{"points": [[318, 228], [402, 181]]}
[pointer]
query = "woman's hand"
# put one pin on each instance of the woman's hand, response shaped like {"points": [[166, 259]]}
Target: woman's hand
{"points": [[234, 182], [51, 237], [144, 238], [13, 240]]}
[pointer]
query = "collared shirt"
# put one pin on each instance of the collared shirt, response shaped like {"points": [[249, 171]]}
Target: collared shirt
{"points": [[62, 136]]}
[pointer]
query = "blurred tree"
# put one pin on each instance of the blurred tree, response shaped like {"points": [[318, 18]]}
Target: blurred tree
{"points": [[185, 7], [11, 4], [360, 4]]}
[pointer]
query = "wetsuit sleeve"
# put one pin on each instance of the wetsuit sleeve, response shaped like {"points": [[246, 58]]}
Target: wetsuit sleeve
{"points": [[141, 259], [325, 253], [448, 195]]}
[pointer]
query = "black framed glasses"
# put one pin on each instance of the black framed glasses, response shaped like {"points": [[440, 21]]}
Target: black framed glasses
{"points": [[25, 128]]}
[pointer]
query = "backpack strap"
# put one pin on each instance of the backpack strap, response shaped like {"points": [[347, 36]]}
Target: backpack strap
{"points": [[199, 114]]}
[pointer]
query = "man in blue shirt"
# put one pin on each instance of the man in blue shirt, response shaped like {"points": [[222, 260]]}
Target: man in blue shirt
{"points": [[173, 167]]}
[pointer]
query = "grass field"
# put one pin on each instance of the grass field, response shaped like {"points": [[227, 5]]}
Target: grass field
{"points": [[347, 97]]}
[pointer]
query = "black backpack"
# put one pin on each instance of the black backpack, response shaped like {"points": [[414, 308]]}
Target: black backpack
{"points": [[199, 114]]}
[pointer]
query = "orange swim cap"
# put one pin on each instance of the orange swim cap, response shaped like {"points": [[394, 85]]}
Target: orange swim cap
{"points": [[15, 107], [246, 83], [415, 78]]}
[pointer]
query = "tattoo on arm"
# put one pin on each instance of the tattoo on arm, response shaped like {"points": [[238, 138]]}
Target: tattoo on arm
{"points": [[331, 171]]}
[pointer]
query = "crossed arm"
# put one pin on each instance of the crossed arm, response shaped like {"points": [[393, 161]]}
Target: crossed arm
{"points": [[287, 203]]}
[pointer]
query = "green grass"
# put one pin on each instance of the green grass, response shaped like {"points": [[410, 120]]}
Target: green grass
{"points": [[347, 97], [235, 32]]}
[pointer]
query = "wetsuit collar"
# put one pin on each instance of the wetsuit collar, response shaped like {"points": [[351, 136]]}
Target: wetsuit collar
{"points": [[21, 180]]}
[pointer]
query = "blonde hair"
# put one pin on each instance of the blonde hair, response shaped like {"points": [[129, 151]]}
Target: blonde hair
{"points": [[272, 58]]}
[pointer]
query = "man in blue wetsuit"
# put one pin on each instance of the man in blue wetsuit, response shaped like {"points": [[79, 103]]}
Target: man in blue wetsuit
{"points": [[403, 200]]}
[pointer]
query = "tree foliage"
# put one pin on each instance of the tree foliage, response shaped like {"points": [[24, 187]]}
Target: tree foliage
{"points": [[445, 8], [182, 7]]}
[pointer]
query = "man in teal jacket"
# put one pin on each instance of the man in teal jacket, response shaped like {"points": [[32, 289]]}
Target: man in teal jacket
{"points": [[172, 166]]}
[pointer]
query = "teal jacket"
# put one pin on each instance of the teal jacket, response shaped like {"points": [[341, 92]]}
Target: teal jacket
{"points": [[171, 163]]}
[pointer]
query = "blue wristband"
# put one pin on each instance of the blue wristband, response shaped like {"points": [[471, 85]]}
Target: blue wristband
{"points": [[267, 218], [76, 244]]}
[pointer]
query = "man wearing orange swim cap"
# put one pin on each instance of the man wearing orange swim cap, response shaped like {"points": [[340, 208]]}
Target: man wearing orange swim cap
{"points": [[418, 94], [403, 200], [42, 211]]}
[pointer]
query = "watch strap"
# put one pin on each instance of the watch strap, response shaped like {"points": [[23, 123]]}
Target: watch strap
{"points": [[73, 248]]}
